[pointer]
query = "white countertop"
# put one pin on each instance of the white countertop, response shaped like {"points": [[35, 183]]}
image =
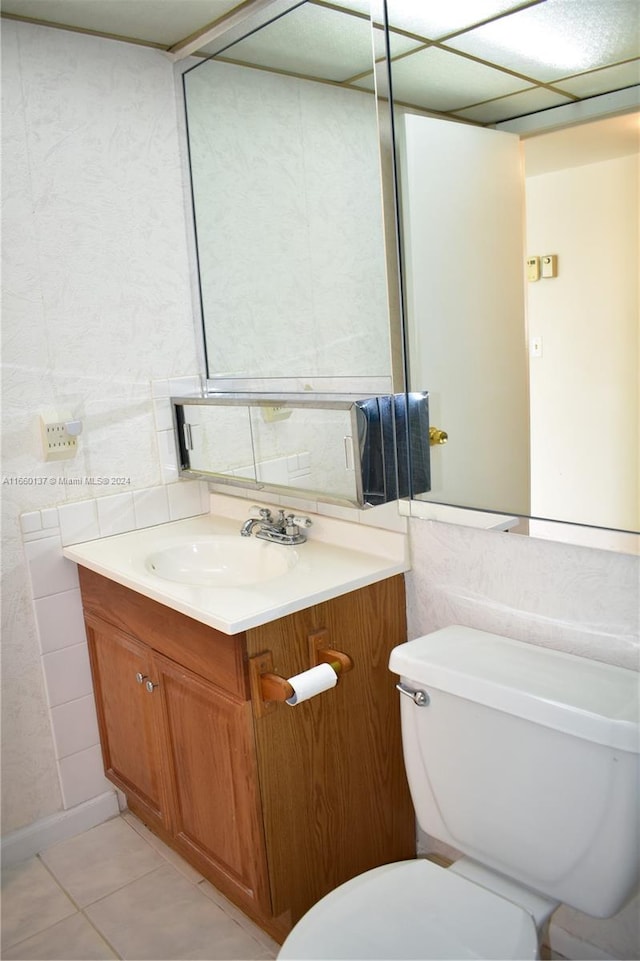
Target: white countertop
{"points": [[324, 569]]}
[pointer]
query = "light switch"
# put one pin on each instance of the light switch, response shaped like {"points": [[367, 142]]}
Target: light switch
{"points": [[550, 265]]}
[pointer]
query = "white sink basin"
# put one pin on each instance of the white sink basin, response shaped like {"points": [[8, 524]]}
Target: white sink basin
{"points": [[221, 560]]}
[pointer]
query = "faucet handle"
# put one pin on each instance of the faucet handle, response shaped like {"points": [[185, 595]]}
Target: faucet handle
{"points": [[259, 513], [298, 520]]}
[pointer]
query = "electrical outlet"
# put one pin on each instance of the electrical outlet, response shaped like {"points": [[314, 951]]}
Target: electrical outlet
{"points": [[57, 444]]}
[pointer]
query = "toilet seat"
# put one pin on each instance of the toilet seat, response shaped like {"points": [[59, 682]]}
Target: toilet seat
{"points": [[412, 909]]}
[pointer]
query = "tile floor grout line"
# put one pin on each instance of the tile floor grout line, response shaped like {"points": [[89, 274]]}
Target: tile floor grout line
{"points": [[231, 912], [102, 936], [79, 909]]}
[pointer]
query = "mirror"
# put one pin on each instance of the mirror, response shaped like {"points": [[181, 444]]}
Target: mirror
{"points": [[285, 169], [534, 380]]}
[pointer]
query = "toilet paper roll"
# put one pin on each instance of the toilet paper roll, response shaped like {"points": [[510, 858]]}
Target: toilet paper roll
{"points": [[311, 682]]}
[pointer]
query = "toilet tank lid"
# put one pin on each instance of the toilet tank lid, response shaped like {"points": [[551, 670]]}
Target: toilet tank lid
{"points": [[589, 699]]}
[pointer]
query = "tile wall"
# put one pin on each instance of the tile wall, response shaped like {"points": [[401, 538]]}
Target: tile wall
{"points": [[59, 621]]}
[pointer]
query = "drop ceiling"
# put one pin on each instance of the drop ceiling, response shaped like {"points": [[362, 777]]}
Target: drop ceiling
{"points": [[484, 61]]}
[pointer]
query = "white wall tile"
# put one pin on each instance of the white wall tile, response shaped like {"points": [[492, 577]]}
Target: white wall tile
{"points": [[163, 413], [168, 456], [116, 514], [386, 516], [82, 777], [50, 572], [50, 517], [151, 507], [79, 522], [60, 621], [160, 388], [75, 726], [81, 118], [67, 674], [184, 500], [184, 386], [30, 522]]}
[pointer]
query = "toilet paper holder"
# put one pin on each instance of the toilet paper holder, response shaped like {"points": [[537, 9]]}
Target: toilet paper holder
{"points": [[267, 687]]}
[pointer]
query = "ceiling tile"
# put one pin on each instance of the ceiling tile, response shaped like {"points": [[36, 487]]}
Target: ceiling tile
{"points": [[557, 38], [436, 20], [529, 101], [603, 81], [437, 80], [155, 21], [310, 40]]}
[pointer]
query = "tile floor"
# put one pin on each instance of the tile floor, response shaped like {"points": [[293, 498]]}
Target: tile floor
{"points": [[117, 891]]}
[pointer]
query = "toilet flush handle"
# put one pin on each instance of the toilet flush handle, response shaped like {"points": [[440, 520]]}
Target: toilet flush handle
{"points": [[419, 698]]}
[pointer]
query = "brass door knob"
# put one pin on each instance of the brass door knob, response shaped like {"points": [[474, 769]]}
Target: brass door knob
{"points": [[437, 436]]}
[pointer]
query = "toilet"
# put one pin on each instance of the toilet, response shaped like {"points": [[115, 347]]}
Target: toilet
{"points": [[523, 759]]}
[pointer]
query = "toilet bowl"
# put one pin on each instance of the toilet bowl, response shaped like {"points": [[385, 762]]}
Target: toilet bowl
{"points": [[413, 909], [479, 714]]}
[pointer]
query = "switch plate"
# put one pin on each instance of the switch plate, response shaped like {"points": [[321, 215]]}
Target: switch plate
{"points": [[535, 346], [549, 265]]}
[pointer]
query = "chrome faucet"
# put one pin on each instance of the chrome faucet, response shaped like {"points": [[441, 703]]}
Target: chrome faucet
{"points": [[282, 529]]}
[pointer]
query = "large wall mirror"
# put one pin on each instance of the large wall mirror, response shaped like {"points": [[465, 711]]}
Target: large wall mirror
{"points": [[534, 381], [533, 376], [286, 180]]}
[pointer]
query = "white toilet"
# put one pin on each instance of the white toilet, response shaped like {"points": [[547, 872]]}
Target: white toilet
{"points": [[526, 760]]}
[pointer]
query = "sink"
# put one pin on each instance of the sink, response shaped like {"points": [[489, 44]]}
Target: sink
{"points": [[221, 560]]}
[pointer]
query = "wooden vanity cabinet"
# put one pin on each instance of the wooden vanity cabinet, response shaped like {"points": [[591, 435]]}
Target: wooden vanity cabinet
{"points": [[275, 805]]}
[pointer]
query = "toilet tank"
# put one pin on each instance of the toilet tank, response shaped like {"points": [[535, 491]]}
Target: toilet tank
{"points": [[526, 760]]}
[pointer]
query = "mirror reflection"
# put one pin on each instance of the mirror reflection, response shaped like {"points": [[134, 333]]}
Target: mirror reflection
{"points": [[285, 173], [532, 374]]}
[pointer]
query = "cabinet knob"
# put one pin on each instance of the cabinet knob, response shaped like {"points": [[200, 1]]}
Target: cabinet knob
{"points": [[150, 686], [140, 677]]}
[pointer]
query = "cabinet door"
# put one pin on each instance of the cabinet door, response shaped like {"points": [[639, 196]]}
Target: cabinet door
{"points": [[128, 715], [214, 783]]}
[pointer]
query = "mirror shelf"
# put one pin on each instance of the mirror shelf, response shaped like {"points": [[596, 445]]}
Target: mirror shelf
{"points": [[335, 449]]}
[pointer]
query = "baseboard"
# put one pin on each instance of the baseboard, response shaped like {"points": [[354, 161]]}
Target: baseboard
{"points": [[28, 841]]}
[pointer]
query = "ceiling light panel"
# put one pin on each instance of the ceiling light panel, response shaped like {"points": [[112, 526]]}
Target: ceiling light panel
{"points": [[154, 21], [557, 38], [310, 41], [436, 20]]}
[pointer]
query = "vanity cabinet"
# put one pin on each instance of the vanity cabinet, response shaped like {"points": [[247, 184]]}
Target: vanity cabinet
{"points": [[275, 805]]}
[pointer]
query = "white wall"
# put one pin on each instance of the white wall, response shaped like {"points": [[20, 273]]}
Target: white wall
{"points": [[96, 304], [585, 405], [573, 599]]}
